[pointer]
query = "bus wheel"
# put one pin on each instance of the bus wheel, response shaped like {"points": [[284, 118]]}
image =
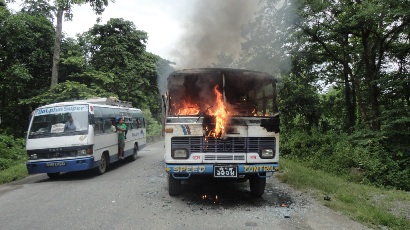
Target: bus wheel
{"points": [[174, 186], [134, 154], [102, 167], [257, 185], [53, 175]]}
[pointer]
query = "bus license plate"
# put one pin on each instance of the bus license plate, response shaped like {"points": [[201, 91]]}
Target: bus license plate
{"points": [[225, 171], [55, 164]]}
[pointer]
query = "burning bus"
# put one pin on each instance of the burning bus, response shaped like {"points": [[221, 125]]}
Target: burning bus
{"points": [[222, 123]]}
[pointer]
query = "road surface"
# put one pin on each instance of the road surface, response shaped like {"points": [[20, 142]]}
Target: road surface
{"points": [[134, 195]]}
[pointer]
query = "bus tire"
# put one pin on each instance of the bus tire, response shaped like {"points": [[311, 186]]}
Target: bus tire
{"points": [[174, 186], [257, 185], [134, 154], [102, 167], [53, 175]]}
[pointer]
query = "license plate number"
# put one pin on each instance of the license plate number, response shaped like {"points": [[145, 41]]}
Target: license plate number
{"points": [[55, 164], [225, 171]]}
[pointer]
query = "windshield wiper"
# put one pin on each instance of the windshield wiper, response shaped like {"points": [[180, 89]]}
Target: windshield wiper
{"points": [[203, 112], [40, 134]]}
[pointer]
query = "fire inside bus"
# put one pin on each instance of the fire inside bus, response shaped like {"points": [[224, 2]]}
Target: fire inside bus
{"points": [[222, 123]]}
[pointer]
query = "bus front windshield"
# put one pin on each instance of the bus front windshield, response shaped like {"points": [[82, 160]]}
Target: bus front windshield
{"points": [[216, 91], [59, 121]]}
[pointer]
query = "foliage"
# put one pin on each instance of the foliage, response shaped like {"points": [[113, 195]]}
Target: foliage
{"points": [[61, 9], [11, 151], [299, 104], [15, 172], [25, 54], [154, 128], [264, 39], [354, 45], [361, 156], [344, 97], [118, 50], [67, 91], [121, 68], [367, 204]]}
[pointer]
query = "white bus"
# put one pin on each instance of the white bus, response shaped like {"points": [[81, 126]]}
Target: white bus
{"points": [[91, 143], [221, 123]]}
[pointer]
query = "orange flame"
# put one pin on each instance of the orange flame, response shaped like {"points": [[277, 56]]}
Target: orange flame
{"points": [[221, 114], [188, 108], [219, 111]]}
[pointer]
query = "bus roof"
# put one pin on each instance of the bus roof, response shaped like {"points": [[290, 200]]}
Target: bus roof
{"points": [[102, 102], [219, 75], [220, 71]]}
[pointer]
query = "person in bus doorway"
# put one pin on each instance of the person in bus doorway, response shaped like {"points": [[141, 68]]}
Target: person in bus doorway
{"points": [[69, 125], [121, 129]]}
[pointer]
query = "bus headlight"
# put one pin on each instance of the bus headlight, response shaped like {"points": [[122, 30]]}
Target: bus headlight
{"points": [[180, 154], [82, 152], [267, 153]]}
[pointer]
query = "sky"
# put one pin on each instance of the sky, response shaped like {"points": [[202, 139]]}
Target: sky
{"points": [[159, 18], [188, 32]]}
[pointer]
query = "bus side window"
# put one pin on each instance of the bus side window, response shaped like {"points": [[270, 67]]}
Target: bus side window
{"points": [[107, 125], [138, 122], [98, 126], [132, 125], [108, 115], [132, 120]]}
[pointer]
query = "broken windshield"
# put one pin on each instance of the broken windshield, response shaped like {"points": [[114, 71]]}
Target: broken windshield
{"points": [[212, 91]]}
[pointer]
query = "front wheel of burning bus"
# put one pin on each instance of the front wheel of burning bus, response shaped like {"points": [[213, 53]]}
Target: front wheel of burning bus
{"points": [[174, 186], [257, 185]]}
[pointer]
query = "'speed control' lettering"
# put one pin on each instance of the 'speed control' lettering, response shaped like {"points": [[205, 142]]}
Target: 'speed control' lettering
{"points": [[189, 169]]}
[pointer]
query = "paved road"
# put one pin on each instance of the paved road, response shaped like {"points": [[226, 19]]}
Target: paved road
{"points": [[134, 195]]}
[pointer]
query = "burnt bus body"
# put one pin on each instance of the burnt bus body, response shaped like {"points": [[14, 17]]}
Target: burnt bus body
{"points": [[222, 123]]}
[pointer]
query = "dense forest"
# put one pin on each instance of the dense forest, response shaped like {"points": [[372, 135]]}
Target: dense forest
{"points": [[344, 86]]}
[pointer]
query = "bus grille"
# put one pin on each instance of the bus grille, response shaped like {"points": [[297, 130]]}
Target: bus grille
{"points": [[51, 155], [229, 145]]}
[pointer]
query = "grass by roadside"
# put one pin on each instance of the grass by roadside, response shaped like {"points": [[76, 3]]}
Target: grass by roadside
{"points": [[374, 207], [15, 172]]}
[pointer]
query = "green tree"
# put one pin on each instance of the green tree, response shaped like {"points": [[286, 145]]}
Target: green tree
{"points": [[118, 49], [62, 9], [25, 50], [354, 40], [347, 74]]}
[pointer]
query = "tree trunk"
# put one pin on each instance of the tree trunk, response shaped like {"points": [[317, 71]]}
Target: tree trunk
{"points": [[371, 77], [351, 119], [57, 45]]}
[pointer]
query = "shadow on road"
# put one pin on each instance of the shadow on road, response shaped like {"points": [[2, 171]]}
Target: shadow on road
{"points": [[81, 175], [230, 194]]}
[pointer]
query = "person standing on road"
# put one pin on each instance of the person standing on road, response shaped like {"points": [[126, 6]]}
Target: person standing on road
{"points": [[121, 128]]}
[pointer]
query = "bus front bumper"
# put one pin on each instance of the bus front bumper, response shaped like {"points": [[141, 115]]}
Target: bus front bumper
{"points": [[60, 165], [185, 170]]}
